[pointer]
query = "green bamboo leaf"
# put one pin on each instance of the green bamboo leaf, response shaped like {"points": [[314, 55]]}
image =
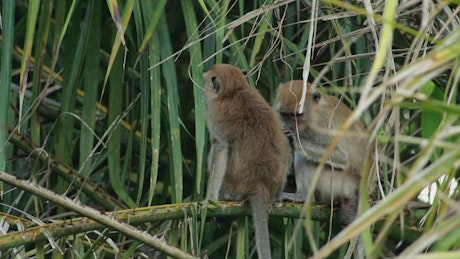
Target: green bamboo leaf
{"points": [[412, 105], [127, 11], [155, 103], [430, 119], [200, 137], [385, 42], [147, 13], [5, 74], [99, 195], [106, 220], [396, 200], [73, 59], [90, 72], [28, 43], [218, 21], [39, 50], [197, 79], [117, 180], [116, 17], [239, 56], [428, 88], [260, 35], [242, 236], [144, 105], [152, 24], [62, 23], [170, 79]]}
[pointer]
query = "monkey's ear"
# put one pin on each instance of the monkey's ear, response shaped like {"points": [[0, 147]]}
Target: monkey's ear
{"points": [[245, 73], [215, 84], [316, 96]]}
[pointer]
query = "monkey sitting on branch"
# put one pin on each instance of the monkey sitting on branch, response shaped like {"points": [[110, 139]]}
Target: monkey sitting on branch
{"points": [[249, 156], [313, 130]]}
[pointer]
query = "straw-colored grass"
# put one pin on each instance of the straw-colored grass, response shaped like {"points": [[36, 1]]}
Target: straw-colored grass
{"points": [[102, 118]]}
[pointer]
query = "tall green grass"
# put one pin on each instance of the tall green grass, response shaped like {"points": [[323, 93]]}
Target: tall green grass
{"points": [[101, 103]]}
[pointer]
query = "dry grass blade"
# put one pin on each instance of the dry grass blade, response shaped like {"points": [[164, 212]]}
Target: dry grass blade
{"points": [[139, 139], [95, 215]]}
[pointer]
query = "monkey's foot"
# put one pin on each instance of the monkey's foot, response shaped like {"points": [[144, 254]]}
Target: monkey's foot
{"points": [[295, 197]]}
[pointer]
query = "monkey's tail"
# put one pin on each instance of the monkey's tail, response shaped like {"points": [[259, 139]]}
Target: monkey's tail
{"points": [[259, 206]]}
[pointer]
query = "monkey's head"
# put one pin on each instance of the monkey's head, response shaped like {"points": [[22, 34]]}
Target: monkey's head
{"points": [[321, 111], [222, 80], [287, 104]]}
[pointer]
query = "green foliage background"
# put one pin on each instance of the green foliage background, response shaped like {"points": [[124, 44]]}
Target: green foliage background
{"points": [[101, 103]]}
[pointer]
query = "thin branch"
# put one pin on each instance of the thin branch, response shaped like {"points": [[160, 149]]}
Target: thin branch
{"points": [[97, 216]]}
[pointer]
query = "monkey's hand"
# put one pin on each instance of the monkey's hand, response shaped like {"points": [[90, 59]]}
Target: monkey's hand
{"points": [[290, 136]]}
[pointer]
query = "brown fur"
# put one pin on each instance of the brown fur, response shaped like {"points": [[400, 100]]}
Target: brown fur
{"points": [[249, 156], [239, 115]]}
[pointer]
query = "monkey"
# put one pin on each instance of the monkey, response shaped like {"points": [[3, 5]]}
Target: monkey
{"points": [[313, 130], [249, 153]]}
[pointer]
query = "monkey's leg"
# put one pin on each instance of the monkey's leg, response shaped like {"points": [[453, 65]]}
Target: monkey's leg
{"points": [[304, 171], [295, 197], [259, 206], [218, 167]]}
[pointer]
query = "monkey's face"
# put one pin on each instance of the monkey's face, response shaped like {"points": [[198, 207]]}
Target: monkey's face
{"points": [[287, 105], [211, 87]]}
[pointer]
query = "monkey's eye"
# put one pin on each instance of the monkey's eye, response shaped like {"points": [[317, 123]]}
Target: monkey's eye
{"points": [[215, 84], [316, 96]]}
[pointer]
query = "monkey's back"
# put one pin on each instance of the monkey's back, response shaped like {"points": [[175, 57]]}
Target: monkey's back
{"points": [[258, 154]]}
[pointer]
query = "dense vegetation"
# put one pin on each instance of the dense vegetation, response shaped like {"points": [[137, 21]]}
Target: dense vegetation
{"points": [[101, 107]]}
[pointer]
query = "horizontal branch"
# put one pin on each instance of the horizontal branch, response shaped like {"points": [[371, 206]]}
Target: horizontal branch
{"points": [[166, 212], [106, 220], [64, 171]]}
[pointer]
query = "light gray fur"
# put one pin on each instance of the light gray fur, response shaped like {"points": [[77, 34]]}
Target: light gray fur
{"points": [[217, 166]]}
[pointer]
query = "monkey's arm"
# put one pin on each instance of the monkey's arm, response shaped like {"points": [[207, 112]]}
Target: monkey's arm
{"points": [[314, 152], [304, 172], [332, 183], [217, 166]]}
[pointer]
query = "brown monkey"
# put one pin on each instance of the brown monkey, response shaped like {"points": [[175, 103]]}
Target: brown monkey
{"points": [[249, 155], [313, 130]]}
